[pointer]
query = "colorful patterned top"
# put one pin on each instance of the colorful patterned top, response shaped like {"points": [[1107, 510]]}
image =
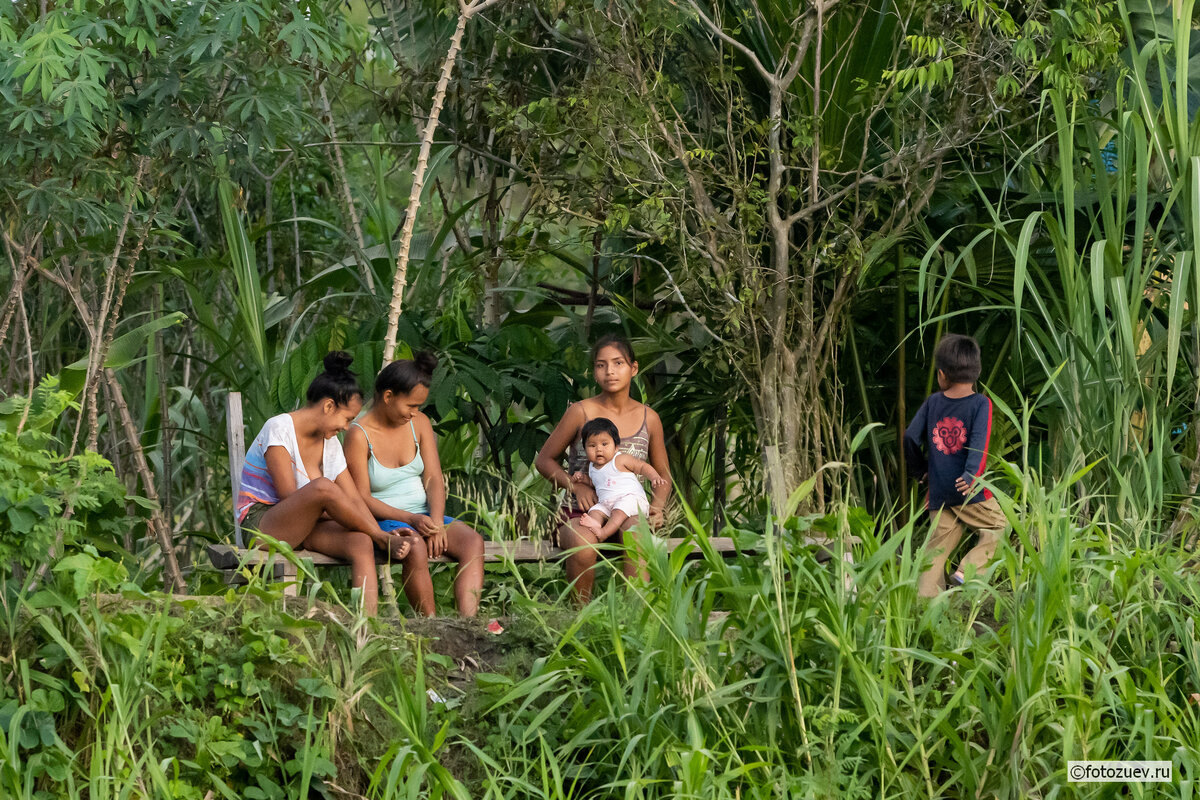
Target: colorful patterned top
{"points": [[280, 431]]}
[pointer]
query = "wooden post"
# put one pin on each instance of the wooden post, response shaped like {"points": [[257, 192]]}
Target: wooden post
{"points": [[387, 589], [290, 578], [237, 454]]}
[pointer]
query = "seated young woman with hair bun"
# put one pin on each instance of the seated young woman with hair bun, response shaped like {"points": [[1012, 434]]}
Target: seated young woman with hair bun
{"points": [[295, 488], [393, 458]]}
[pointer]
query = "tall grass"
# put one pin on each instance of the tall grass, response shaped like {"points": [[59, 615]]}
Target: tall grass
{"points": [[1081, 647], [765, 675], [1100, 281]]}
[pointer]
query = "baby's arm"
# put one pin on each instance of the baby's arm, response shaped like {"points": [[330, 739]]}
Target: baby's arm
{"points": [[627, 463]]}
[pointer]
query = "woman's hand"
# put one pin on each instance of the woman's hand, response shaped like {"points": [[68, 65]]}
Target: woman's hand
{"points": [[423, 524], [585, 495], [656, 518], [437, 542]]}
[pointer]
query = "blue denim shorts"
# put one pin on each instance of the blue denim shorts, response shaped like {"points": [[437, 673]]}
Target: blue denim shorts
{"points": [[389, 525]]}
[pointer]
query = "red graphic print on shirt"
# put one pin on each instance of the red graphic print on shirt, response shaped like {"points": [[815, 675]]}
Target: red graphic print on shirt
{"points": [[949, 435]]}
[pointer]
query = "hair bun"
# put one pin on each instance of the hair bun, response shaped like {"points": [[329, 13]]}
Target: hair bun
{"points": [[338, 362], [425, 361]]}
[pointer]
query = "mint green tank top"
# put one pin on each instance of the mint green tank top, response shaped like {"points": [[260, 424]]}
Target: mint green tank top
{"points": [[400, 487]]}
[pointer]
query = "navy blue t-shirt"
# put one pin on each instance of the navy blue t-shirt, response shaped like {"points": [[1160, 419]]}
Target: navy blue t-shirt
{"points": [[948, 440]]}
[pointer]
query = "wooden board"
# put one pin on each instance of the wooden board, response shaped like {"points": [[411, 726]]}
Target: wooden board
{"points": [[227, 557]]}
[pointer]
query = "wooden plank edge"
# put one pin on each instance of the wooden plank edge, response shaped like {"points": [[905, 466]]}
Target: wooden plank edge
{"points": [[227, 557]]}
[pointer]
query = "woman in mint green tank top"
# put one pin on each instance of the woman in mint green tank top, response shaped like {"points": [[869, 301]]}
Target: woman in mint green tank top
{"points": [[391, 452]]}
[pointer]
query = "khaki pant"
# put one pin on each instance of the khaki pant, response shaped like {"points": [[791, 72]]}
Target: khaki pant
{"points": [[985, 517]]}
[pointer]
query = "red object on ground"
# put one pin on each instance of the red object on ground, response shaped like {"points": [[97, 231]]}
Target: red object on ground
{"points": [[495, 627]]}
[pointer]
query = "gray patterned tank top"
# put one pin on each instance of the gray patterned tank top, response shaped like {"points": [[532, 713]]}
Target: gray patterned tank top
{"points": [[637, 446]]}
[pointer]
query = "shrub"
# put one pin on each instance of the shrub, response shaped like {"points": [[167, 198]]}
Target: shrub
{"points": [[46, 496]]}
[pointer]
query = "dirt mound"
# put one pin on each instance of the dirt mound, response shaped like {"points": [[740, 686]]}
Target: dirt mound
{"points": [[464, 640]]}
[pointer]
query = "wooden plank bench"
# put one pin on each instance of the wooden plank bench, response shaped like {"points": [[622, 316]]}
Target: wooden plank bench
{"points": [[227, 557]]}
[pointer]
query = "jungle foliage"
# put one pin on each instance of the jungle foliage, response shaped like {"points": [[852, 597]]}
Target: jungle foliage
{"points": [[783, 204]]}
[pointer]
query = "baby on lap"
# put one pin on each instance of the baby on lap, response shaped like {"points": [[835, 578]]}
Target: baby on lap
{"points": [[620, 496]]}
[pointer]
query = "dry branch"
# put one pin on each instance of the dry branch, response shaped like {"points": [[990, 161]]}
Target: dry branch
{"points": [[172, 576]]}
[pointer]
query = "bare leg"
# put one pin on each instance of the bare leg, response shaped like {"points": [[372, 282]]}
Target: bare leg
{"points": [[593, 522], [294, 517], [616, 522], [332, 539], [465, 546], [418, 586], [633, 564], [581, 558]]}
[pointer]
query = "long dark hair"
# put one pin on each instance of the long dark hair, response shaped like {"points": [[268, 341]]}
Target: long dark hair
{"points": [[401, 377], [614, 340], [337, 383]]}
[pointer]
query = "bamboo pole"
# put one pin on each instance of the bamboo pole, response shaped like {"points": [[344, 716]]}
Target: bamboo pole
{"points": [[466, 11]]}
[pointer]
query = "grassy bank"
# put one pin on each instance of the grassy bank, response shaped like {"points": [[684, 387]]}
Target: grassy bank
{"points": [[761, 676]]}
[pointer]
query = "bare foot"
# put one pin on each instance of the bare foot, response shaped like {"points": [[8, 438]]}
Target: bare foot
{"points": [[590, 522], [398, 547]]}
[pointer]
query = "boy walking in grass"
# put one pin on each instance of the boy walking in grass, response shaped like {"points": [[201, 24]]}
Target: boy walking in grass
{"points": [[947, 442]]}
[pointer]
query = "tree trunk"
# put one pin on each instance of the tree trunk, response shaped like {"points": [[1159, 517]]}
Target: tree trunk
{"points": [[101, 331], [720, 455], [418, 184], [172, 576], [491, 274], [347, 197]]}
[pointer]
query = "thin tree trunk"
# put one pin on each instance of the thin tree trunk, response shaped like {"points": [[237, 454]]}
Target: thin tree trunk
{"points": [[166, 431], [347, 197], [172, 576], [110, 327], [491, 275], [296, 233], [20, 292], [97, 351], [414, 197], [593, 284], [720, 448], [901, 366], [20, 276]]}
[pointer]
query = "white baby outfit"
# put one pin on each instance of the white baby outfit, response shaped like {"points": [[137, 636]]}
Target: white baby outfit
{"points": [[618, 491]]}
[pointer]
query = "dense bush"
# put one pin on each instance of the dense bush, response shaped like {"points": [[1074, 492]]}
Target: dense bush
{"points": [[48, 499], [136, 695]]}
